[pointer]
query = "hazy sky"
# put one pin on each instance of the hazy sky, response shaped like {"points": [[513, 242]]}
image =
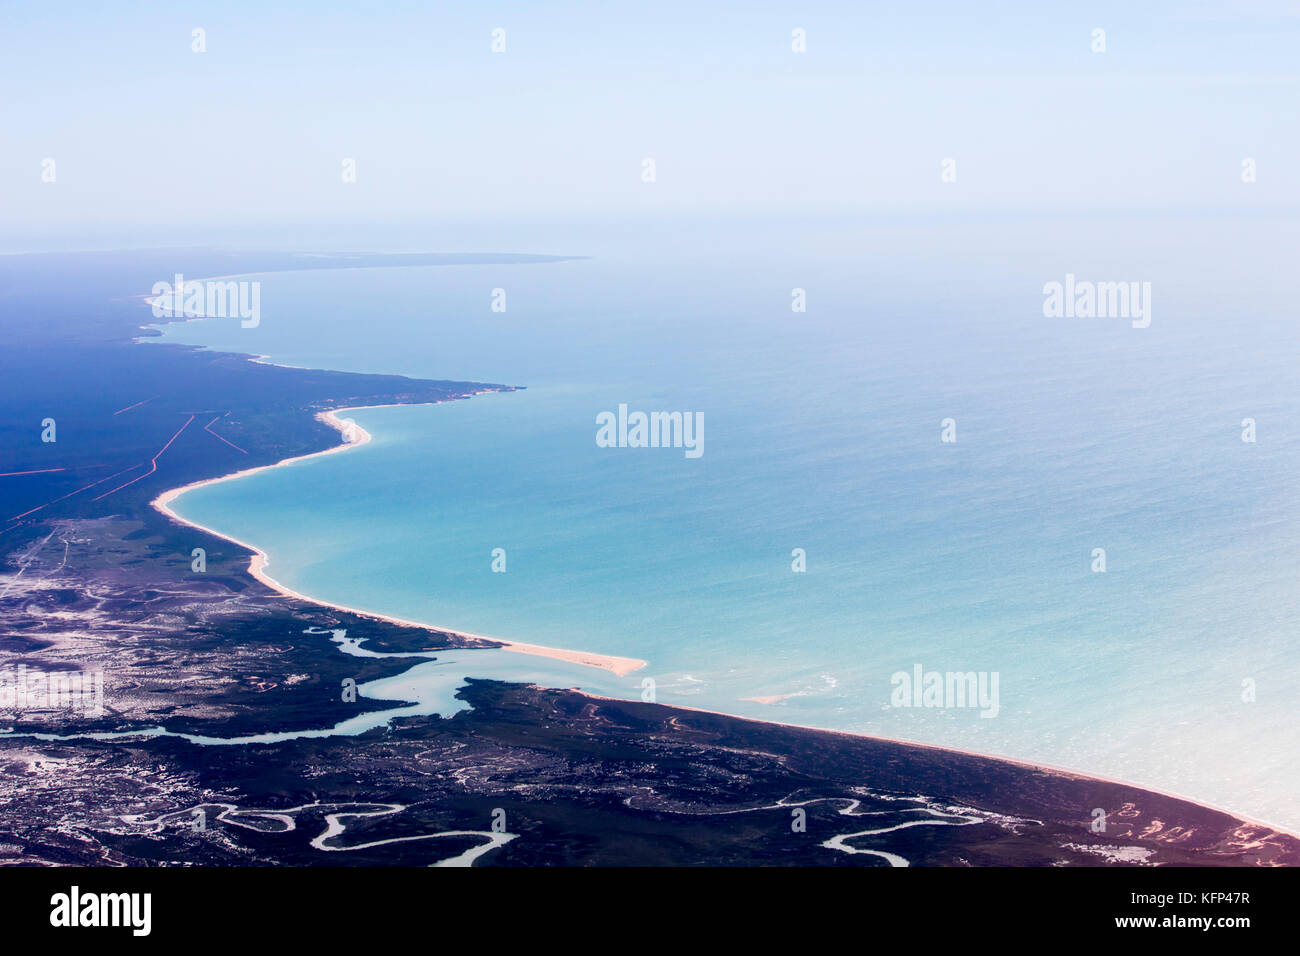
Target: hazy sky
{"points": [[145, 131]]}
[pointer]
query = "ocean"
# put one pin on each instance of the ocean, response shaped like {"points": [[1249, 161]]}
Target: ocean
{"points": [[823, 443]]}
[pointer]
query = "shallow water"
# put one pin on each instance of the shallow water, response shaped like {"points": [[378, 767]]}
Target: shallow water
{"points": [[822, 432]]}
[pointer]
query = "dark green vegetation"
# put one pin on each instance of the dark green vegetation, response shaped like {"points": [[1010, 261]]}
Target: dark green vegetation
{"points": [[69, 323], [95, 580]]}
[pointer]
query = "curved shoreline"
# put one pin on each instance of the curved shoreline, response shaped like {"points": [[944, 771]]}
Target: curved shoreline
{"points": [[258, 563], [620, 666]]}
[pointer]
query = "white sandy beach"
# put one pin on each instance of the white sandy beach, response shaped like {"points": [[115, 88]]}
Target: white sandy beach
{"points": [[617, 665], [259, 562]]}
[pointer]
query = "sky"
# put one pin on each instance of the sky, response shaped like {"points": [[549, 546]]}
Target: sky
{"points": [[147, 134]]}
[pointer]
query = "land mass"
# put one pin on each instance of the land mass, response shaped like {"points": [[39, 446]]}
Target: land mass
{"points": [[96, 580]]}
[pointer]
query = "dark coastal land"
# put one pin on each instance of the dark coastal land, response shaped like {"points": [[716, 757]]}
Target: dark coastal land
{"points": [[92, 578]]}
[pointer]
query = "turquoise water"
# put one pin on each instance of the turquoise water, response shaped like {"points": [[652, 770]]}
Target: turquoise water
{"points": [[822, 432]]}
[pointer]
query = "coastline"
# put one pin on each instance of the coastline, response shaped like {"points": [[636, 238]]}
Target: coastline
{"points": [[257, 565], [598, 782], [978, 755], [620, 666]]}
